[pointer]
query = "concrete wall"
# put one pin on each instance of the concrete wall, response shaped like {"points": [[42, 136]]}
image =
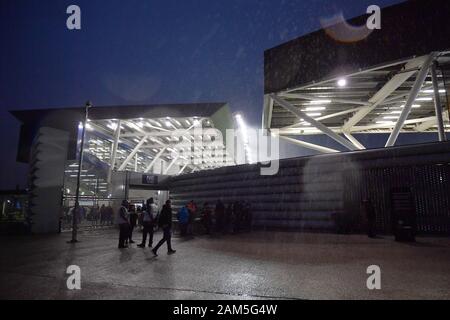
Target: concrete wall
{"points": [[46, 179], [324, 192]]}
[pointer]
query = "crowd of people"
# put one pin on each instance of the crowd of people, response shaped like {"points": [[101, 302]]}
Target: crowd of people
{"points": [[100, 216], [223, 219], [232, 218], [146, 216]]}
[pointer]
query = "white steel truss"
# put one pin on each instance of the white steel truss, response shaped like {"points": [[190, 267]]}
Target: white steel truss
{"points": [[400, 97], [186, 143]]}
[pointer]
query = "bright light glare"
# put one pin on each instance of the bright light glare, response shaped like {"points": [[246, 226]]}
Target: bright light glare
{"points": [[314, 114], [314, 109], [320, 101], [414, 106], [243, 126], [391, 117], [112, 126], [342, 82], [385, 122]]}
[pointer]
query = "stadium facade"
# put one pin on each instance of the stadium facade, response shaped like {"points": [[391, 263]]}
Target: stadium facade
{"points": [[129, 153], [342, 80]]}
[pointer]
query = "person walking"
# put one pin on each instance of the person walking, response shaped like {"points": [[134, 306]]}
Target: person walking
{"points": [[124, 225], [133, 217], [148, 222], [165, 222]]}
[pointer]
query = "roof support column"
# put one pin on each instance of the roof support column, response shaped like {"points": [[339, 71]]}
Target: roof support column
{"points": [[353, 140], [437, 103], [133, 153], [267, 112], [421, 76], [171, 164], [182, 169], [155, 159], [115, 145], [135, 163]]}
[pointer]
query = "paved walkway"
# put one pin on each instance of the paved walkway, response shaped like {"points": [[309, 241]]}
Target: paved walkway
{"points": [[272, 265]]}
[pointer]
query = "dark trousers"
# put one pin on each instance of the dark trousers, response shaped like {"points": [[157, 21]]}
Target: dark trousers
{"points": [[148, 229], [166, 237], [207, 225], [183, 229], [123, 233], [130, 232]]}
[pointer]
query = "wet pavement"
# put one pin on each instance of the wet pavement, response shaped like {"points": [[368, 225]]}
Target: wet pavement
{"points": [[260, 265]]}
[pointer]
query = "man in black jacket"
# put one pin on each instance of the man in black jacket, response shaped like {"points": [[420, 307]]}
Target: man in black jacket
{"points": [[165, 222], [124, 224]]}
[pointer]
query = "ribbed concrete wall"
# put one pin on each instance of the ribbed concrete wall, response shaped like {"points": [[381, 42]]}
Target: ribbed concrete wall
{"points": [[315, 193], [302, 195], [46, 179]]}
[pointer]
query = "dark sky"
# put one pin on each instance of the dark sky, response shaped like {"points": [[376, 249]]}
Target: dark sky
{"points": [[138, 52]]}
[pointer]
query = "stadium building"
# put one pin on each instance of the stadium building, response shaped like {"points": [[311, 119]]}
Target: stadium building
{"points": [[338, 82], [129, 151]]}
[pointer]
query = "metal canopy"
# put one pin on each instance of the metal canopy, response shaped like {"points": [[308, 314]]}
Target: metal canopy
{"points": [[393, 80], [189, 142], [139, 138], [371, 102]]}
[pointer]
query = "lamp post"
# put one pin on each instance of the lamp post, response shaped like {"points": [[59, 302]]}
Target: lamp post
{"points": [[80, 163]]}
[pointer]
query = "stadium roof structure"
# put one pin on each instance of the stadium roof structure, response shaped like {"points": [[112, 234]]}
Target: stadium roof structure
{"points": [[135, 137], [346, 79]]}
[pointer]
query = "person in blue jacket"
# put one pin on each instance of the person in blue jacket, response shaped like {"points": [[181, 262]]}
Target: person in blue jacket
{"points": [[183, 219]]}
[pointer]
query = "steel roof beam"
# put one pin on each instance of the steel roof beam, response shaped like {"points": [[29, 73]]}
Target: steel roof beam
{"points": [[114, 148], [312, 98], [308, 145], [437, 103], [353, 140], [393, 84], [302, 115], [133, 153], [171, 164], [328, 116], [154, 160], [420, 79]]}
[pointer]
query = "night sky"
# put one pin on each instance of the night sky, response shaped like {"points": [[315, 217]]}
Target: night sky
{"points": [[141, 52]]}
